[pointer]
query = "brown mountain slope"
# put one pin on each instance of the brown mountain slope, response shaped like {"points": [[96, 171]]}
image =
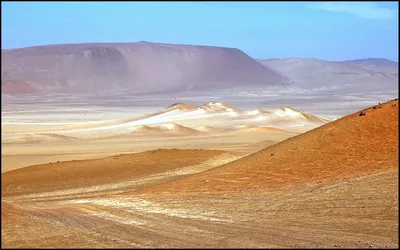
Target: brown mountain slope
{"points": [[140, 66], [351, 146]]}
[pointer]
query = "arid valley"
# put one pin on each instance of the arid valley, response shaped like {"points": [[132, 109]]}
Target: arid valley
{"points": [[166, 145], [209, 175]]}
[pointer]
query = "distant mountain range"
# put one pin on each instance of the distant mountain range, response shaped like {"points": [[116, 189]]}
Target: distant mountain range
{"points": [[373, 61], [144, 67], [313, 73]]}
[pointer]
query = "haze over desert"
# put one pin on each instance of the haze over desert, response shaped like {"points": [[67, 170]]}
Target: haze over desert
{"points": [[199, 131]]}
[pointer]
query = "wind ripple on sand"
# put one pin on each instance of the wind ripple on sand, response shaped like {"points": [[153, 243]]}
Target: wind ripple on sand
{"points": [[118, 186]]}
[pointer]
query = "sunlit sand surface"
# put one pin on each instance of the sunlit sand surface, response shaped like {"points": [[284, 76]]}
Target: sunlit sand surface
{"points": [[30, 137], [333, 186]]}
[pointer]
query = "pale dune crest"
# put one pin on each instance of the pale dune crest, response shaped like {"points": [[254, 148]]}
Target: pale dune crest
{"points": [[206, 128], [215, 109], [257, 111], [249, 128], [181, 106], [180, 118], [173, 127]]}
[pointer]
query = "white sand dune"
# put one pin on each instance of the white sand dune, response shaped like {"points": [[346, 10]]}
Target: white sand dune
{"points": [[206, 128], [175, 128], [257, 111], [180, 118], [221, 112], [249, 128], [181, 106]]}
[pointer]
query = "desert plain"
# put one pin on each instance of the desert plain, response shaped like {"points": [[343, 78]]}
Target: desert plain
{"points": [[216, 150], [199, 174]]}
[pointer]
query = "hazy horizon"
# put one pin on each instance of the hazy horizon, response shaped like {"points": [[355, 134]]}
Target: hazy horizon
{"points": [[205, 46], [200, 125], [333, 31]]}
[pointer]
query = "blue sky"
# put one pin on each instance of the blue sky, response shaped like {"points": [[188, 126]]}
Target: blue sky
{"points": [[325, 30]]}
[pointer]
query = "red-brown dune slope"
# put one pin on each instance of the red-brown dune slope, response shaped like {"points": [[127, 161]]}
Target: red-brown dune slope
{"points": [[353, 145], [106, 171]]}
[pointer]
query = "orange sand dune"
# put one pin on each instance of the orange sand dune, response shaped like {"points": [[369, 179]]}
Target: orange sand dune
{"points": [[352, 145], [73, 174], [335, 186]]}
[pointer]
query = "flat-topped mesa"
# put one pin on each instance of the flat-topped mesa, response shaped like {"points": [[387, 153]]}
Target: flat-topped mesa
{"points": [[177, 46], [144, 67]]}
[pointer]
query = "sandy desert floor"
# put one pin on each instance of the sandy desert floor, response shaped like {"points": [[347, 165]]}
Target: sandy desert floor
{"points": [[24, 117], [335, 186], [37, 133], [105, 211]]}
